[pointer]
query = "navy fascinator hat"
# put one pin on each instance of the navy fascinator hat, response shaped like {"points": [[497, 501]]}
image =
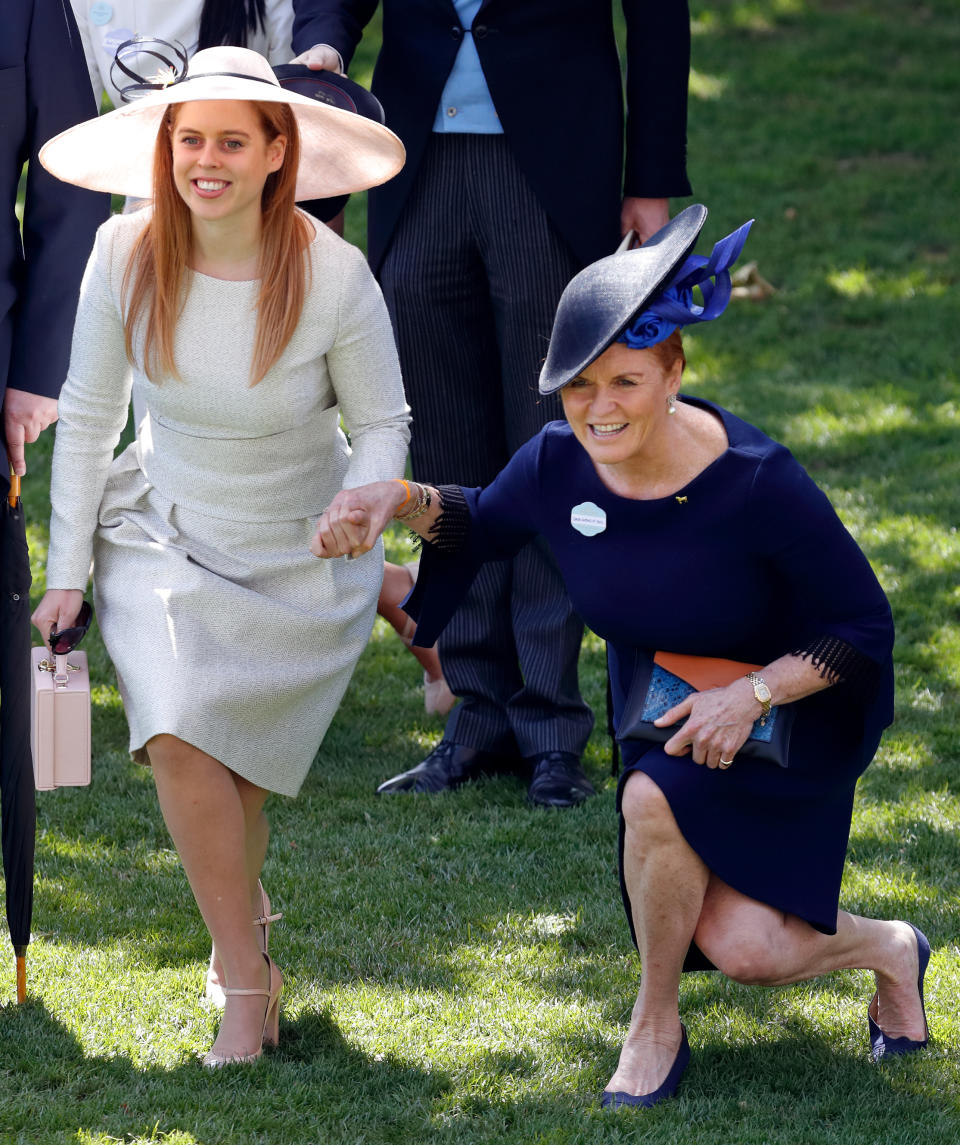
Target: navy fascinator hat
{"points": [[639, 296]]}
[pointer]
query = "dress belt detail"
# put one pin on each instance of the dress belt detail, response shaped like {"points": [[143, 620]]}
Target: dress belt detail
{"points": [[286, 475]]}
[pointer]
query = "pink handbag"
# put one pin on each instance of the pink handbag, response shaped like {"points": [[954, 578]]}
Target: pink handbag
{"points": [[60, 719]]}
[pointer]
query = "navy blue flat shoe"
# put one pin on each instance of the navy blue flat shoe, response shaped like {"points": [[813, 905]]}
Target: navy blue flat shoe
{"points": [[880, 1045], [619, 1099]]}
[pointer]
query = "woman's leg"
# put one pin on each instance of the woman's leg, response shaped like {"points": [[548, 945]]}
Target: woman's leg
{"points": [[257, 837], [397, 582], [211, 815], [675, 898], [666, 882], [753, 943]]}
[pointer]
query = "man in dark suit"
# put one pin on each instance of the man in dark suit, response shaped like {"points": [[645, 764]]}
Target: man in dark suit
{"points": [[512, 115], [44, 88]]}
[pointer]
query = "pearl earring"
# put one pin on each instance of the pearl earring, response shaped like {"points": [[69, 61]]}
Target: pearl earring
{"points": [[672, 403]]}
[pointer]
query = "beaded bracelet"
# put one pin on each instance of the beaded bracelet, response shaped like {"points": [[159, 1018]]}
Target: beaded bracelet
{"points": [[421, 506]]}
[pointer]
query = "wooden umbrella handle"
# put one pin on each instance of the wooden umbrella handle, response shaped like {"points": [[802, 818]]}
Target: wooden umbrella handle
{"points": [[13, 496], [21, 978]]}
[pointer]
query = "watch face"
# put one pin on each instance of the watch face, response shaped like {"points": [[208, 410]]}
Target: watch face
{"points": [[761, 691]]}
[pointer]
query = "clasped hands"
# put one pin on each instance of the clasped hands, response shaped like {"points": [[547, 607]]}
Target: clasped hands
{"points": [[719, 723], [355, 518]]}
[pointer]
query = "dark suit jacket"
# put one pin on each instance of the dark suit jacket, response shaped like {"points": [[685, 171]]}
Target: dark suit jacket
{"points": [[554, 75], [44, 88]]}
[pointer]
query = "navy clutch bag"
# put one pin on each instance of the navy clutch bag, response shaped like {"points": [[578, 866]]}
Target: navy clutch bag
{"points": [[663, 679]]}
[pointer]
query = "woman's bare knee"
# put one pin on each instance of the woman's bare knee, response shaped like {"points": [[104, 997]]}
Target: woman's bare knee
{"points": [[166, 749], [170, 747], [643, 805], [739, 936], [737, 958]]}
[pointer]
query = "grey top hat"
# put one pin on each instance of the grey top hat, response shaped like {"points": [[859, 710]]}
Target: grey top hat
{"points": [[600, 301]]}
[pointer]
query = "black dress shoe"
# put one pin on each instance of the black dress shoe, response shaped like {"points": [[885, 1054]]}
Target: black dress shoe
{"points": [[558, 780], [448, 766]]}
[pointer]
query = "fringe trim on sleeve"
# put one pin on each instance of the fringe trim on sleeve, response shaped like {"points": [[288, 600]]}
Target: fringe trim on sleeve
{"points": [[840, 663], [451, 528]]}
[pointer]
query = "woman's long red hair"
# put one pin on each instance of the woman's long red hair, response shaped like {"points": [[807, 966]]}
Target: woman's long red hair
{"points": [[153, 283]]}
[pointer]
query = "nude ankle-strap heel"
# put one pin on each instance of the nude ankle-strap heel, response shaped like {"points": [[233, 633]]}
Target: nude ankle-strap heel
{"points": [[270, 1034], [212, 989]]}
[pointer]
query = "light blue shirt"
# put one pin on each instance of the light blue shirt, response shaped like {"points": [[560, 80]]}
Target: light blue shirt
{"points": [[465, 105]]}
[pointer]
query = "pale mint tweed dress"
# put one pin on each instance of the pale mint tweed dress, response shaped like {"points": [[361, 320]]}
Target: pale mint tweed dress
{"points": [[224, 629]]}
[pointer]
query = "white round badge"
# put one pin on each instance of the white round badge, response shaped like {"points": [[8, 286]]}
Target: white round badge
{"points": [[100, 13], [588, 519]]}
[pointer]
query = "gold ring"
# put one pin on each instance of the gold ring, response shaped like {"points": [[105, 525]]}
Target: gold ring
{"points": [[725, 763]]}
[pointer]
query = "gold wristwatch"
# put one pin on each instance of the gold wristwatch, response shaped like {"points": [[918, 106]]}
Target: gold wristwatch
{"points": [[762, 694]]}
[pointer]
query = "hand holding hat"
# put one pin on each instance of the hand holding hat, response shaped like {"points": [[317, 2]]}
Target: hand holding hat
{"points": [[321, 57]]}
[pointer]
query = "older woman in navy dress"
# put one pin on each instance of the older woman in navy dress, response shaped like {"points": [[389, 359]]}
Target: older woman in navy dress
{"points": [[679, 527]]}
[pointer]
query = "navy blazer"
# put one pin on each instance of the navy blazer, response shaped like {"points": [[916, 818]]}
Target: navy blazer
{"points": [[554, 76], [44, 88]]}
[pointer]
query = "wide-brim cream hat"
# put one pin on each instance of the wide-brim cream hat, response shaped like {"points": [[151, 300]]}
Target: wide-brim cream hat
{"points": [[340, 151]]}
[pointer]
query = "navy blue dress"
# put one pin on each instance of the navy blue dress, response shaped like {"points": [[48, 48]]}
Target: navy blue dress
{"points": [[748, 561]]}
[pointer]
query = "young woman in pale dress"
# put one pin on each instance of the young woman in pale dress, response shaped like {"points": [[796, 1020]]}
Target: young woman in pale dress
{"points": [[250, 331], [266, 26]]}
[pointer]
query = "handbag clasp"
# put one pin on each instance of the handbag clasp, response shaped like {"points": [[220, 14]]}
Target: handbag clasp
{"points": [[60, 671]]}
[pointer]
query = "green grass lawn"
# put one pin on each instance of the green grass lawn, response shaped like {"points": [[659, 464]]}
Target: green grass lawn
{"points": [[458, 969]]}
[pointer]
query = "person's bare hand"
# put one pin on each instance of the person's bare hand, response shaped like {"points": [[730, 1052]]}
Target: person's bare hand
{"points": [[719, 722], [59, 609], [25, 417], [643, 216], [321, 57]]}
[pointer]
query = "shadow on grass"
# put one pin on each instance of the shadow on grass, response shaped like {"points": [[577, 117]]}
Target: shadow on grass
{"points": [[315, 1088]]}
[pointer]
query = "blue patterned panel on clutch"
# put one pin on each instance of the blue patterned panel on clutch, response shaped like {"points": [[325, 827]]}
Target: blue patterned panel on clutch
{"points": [[665, 691]]}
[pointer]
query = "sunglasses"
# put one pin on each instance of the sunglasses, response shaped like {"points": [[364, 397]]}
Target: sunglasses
{"points": [[67, 639]]}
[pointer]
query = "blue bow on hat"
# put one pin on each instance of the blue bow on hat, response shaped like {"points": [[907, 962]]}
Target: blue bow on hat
{"points": [[646, 292], [674, 306]]}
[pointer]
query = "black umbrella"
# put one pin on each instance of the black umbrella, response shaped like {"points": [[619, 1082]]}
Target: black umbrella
{"points": [[18, 813]]}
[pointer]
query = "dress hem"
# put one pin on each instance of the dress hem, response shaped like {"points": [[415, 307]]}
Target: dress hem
{"points": [[140, 756]]}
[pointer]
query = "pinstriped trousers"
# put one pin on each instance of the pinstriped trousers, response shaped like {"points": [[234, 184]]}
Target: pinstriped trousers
{"points": [[472, 279]]}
